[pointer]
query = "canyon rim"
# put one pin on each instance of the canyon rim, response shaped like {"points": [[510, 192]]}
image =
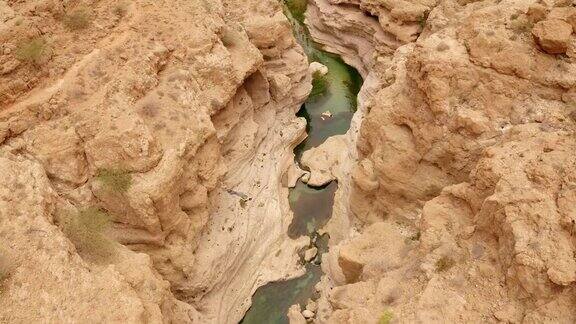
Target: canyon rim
{"points": [[149, 151]]}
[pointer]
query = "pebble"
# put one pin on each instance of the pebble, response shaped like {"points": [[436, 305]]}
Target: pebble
{"points": [[311, 305], [310, 254], [307, 313]]}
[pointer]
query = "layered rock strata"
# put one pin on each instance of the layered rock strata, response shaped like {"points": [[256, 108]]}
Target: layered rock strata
{"points": [[190, 107], [460, 206]]}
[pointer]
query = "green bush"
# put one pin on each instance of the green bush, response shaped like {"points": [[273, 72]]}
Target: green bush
{"points": [[78, 19], [386, 317], [444, 263], [297, 8], [520, 24], [86, 231], [422, 21], [115, 180], [319, 84], [32, 51]]}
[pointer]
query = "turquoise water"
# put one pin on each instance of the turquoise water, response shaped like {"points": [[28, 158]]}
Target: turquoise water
{"points": [[344, 82], [312, 207]]}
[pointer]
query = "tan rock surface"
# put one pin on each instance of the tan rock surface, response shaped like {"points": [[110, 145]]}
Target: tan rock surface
{"points": [[320, 160], [463, 167], [48, 279], [194, 102], [455, 181], [553, 35]]}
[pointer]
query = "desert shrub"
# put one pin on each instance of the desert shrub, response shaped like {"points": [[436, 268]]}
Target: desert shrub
{"points": [[297, 8], [520, 24], [386, 317], [422, 20], [319, 84], [115, 180], [86, 231], [243, 202], [32, 51], [77, 19], [444, 263]]}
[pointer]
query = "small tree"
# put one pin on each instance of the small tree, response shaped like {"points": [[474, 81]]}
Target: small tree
{"points": [[422, 20], [520, 24]]}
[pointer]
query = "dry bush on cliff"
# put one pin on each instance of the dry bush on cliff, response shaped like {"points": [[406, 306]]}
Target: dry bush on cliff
{"points": [[444, 263], [86, 231], [386, 317], [78, 19], [115, 180], [520, 24], [32, 51]]}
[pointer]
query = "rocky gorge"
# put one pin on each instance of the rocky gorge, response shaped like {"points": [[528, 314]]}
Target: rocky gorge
{"points": [[147, 151]]}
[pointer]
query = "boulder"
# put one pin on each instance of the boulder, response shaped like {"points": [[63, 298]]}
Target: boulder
{"points": [[536, 13], [552, 35]]}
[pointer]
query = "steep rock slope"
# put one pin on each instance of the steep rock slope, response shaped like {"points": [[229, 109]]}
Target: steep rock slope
{"points": [[462, 188], [160, 114]]}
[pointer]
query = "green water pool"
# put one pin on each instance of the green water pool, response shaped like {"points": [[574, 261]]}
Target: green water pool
{"points": [[312, 207]]}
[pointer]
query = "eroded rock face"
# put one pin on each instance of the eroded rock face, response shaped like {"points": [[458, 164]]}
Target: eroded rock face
{"points": [[553, 35], [49, 280], [464, 172], [182, 98], [457, 207]]}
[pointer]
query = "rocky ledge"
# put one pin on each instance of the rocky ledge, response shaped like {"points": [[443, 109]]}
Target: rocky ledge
{"points": [[142, 147], [461, 195]]}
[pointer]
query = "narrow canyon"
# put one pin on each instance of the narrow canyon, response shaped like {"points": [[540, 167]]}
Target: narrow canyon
{"points": [[288, 161]]}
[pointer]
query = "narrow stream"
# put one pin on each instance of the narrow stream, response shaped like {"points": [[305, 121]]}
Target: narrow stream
{"points": [[312, 207]]}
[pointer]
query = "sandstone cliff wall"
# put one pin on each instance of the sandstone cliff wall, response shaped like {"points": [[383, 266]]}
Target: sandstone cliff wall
{"points": [[462, 187], [170, 117]]}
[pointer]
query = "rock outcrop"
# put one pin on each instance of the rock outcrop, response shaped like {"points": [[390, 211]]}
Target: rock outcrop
{"points": [[553, 35], [174, 118], [146, 155], [459, 205]]}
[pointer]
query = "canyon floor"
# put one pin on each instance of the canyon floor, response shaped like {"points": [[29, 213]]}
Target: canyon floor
{"points": [[147, 153]]}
